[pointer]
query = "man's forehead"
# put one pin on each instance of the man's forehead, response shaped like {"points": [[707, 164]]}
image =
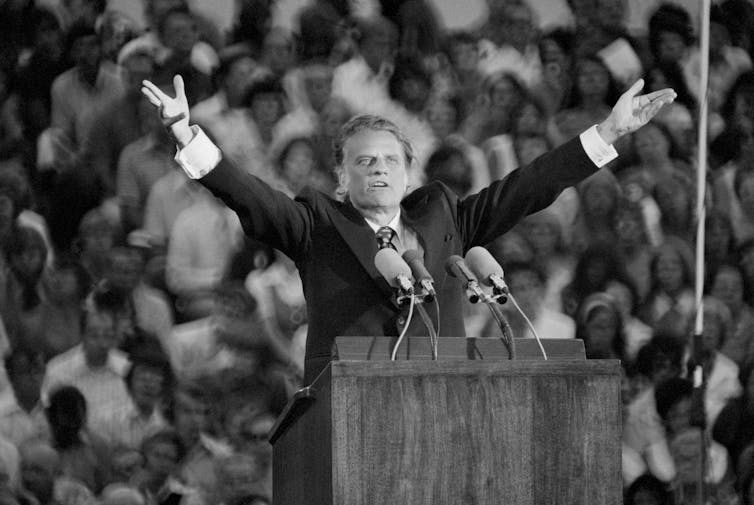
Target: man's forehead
{"points": [[368, 140]]}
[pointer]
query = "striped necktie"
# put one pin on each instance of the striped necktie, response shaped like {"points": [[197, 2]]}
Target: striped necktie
{"points": [[385, 237]]}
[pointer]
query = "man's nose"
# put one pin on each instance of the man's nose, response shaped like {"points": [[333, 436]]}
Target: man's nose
{"points": [[379, 166]]}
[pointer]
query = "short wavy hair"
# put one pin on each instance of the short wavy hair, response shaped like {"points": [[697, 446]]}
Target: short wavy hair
{"points": [[371, 122]]}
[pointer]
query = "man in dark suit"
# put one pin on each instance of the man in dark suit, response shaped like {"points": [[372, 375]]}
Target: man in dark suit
{"points": [[334, 243]]}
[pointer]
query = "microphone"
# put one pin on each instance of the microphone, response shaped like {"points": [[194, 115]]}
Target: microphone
{"points": [[395, 271], [421, 274], [456, 266], [484, 265]]}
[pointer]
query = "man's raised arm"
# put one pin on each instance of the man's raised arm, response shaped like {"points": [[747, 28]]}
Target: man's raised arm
{"points": [[265, 214]]}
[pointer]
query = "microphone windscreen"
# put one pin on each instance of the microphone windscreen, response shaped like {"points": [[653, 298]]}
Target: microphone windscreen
{"points": [[451, 266], [390, 265], [483, 264], [416, 261]]}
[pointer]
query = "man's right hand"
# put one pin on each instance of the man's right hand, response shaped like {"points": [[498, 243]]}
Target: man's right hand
{"points": [[174, 112]]}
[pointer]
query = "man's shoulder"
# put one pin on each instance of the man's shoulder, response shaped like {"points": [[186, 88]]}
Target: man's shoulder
{"points": [[64, 80], [431, 192], [67, 361], [135, 148]]}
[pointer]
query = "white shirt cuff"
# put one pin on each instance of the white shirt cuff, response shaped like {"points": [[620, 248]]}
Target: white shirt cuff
{"points": [[199, 156], [598, 151]]}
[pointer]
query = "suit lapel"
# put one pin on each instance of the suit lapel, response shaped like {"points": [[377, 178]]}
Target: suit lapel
{"points": [[361, 240], [430, 233]]}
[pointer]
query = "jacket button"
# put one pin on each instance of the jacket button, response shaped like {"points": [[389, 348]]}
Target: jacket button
{"points": [[401, 320]]}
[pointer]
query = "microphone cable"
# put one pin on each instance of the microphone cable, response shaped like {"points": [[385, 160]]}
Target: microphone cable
{"points": [[405, 328], [528, 323], [430, 328]]}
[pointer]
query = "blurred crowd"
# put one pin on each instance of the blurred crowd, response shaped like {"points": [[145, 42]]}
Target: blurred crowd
{"points": [[149, 345]]}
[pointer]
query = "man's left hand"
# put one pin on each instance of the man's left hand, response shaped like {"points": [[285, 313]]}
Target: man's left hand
{"points": [[631, 112]]}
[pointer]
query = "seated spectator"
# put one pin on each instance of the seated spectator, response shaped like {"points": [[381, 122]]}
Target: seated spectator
{"points": [[510, 43], [149, 307], [633, 245], [44, 61], [96, 236], [84, 456], [231, 336], [643, 430], [157, 479], [119, 122], [600, 326], [674, 195], [734, 427], [26, 254], [170, 195], [266, 102], [203, 57], [728, 286], [670, 304], [21, 413], [95, 367], [226, 117], [722, 372], [40, 471], [677, 116], [596, 268], [659, 156], [599, 197], [65, 287], [203, 240], [674, 403], [242, 479], [76, 94], [527, 283], [719, 247], [636, 332], [544, 232], [194, 417], [594, 92], [449, 165], [178, 31], [149, 382], [298, 167]]}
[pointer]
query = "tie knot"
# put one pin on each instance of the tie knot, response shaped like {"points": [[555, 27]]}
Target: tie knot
{"points": [[385, 237]]}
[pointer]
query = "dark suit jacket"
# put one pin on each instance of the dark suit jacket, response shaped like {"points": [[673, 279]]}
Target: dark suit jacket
{"points": [[334, 248]]}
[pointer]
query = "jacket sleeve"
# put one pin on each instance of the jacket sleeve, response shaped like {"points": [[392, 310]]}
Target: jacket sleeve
{"points": [[266, 214], [484, 216]]}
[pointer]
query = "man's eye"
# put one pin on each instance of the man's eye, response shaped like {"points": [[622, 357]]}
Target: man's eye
{"points": [[364, 162]]}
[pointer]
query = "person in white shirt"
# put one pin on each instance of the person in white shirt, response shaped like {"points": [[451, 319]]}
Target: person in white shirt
{"points": [[95, 366]]}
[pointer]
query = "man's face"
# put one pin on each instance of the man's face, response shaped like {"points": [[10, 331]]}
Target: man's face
{"points": [[147, 385], [191, 417], [180, 33], [161, 458], [374, 170], [528, 289], [125, 269], [100, 336], [86, 53], [137, 69]]}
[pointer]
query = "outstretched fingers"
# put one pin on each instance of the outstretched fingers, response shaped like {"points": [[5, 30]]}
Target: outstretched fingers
{"points": [[635, 88], [153, 99], [663, 96], [157, 92], [180, 92]]}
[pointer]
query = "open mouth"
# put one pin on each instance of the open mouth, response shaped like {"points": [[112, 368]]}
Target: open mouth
{"points": [[378, 185]]}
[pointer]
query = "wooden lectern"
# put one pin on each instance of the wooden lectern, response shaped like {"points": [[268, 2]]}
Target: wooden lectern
{"points": [[452, 432]]}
